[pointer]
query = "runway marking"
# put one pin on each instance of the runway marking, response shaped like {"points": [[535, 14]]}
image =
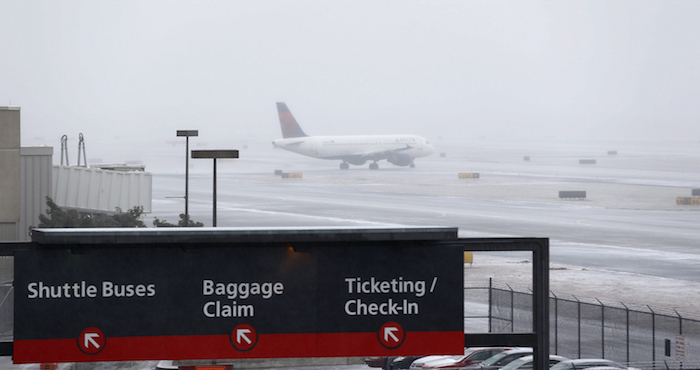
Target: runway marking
{"points": [[440, 215], [326, 218]]}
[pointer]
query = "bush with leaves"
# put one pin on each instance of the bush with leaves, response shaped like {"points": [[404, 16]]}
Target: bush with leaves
{"points": [[58, 217], [181, 223]]}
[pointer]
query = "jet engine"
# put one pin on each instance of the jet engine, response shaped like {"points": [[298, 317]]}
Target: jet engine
{"points": [[356, 161], [400, 159]]}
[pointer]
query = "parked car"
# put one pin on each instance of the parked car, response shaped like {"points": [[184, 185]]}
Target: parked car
{"points": [[502, 359], [585, 363], [423, 361], [380, 361], [375, 361], [472, 355], [404, 362], [525, 363]]}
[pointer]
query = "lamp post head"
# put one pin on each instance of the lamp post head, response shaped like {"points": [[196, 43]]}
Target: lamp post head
{"points": [[187, 133], [215, 154]]}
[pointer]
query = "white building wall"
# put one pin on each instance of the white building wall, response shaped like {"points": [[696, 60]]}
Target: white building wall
{"points": [[97, 190], [10, 174], [36, 164]]}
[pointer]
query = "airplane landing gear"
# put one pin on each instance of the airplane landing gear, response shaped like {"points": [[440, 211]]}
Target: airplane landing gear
{"points": [[344, 166], [373, 166], [413, 165]]}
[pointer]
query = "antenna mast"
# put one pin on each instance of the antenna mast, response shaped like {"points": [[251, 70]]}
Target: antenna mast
{"points": [[64, 149], [81, 147]]}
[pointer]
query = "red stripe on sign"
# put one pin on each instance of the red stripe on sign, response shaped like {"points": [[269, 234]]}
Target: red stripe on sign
{"points": [[368, 344], [203, 347]]}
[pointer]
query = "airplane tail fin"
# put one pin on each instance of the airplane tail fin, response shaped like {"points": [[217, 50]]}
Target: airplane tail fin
{"points": [[290, 127]]}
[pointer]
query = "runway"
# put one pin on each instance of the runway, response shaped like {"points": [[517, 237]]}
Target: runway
{"points": [[628, 223]]}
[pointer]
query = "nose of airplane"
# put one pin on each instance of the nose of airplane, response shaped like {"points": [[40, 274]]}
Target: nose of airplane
{"points": [[429, 148]]}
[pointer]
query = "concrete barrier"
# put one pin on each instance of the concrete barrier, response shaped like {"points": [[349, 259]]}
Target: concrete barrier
{"points": [[612, 152], [684, 201], [572, 194], [465, 175], [292, 175], [526, 158], [695, 192], [278, 172], [586, 161]]}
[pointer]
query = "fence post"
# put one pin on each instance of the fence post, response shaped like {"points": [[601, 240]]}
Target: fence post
{"points": [[579, 325], [490, 305], [556, 323], [627, 326], [653, 335], [680, 328], [602, 328], [512, 309], [680, 322]]}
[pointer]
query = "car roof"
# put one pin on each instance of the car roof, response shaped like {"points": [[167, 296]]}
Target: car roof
{"points": [[589, 361], [551, 357]]}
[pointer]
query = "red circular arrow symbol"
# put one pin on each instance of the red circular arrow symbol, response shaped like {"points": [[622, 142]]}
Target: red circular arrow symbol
{"points": [[91, 341], [244, 337], [391, 335]]}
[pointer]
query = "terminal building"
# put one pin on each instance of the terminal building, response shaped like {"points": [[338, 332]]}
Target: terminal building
{"points": [[29, 176]]}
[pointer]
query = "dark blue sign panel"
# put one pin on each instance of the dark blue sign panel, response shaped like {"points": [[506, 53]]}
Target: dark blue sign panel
{"points": [[244, 302]]}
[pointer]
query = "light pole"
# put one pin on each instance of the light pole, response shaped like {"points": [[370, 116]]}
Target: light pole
{"points": [[214, 154], [187, 134]]}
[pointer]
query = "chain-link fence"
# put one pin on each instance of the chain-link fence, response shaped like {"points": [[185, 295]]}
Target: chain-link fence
{"points": [[640, 336]]}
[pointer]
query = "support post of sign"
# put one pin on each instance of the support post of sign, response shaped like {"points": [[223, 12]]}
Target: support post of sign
{"points": [[540, 320], [214, 154], [213, 217]]}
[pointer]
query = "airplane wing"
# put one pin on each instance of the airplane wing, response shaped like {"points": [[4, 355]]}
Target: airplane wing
{"points": [[380, 154]]}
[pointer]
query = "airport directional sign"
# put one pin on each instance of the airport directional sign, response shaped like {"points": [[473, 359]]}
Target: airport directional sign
{"points": [[255, 296]]}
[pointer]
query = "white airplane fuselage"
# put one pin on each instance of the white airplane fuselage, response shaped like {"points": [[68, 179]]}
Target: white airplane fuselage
{"points": [[342, 147]]}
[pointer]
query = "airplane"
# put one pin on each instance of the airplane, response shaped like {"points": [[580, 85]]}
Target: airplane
{"points": [[399, 150]]}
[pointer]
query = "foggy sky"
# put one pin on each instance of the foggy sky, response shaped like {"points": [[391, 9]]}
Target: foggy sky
{"points": [[116, 70]]}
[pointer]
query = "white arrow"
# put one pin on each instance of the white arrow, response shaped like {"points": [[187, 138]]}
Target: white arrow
{"points": [[241, 333], [88, 340], [389, 332]]}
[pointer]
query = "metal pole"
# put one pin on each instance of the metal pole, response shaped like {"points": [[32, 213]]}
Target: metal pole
{"points": [[540, 322], [627, 312], [653, 335], [602, 327], [187, 180], [579, 325], [490, 306], [187, 134], [214, 217], [214, 154], [556, 323]]}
